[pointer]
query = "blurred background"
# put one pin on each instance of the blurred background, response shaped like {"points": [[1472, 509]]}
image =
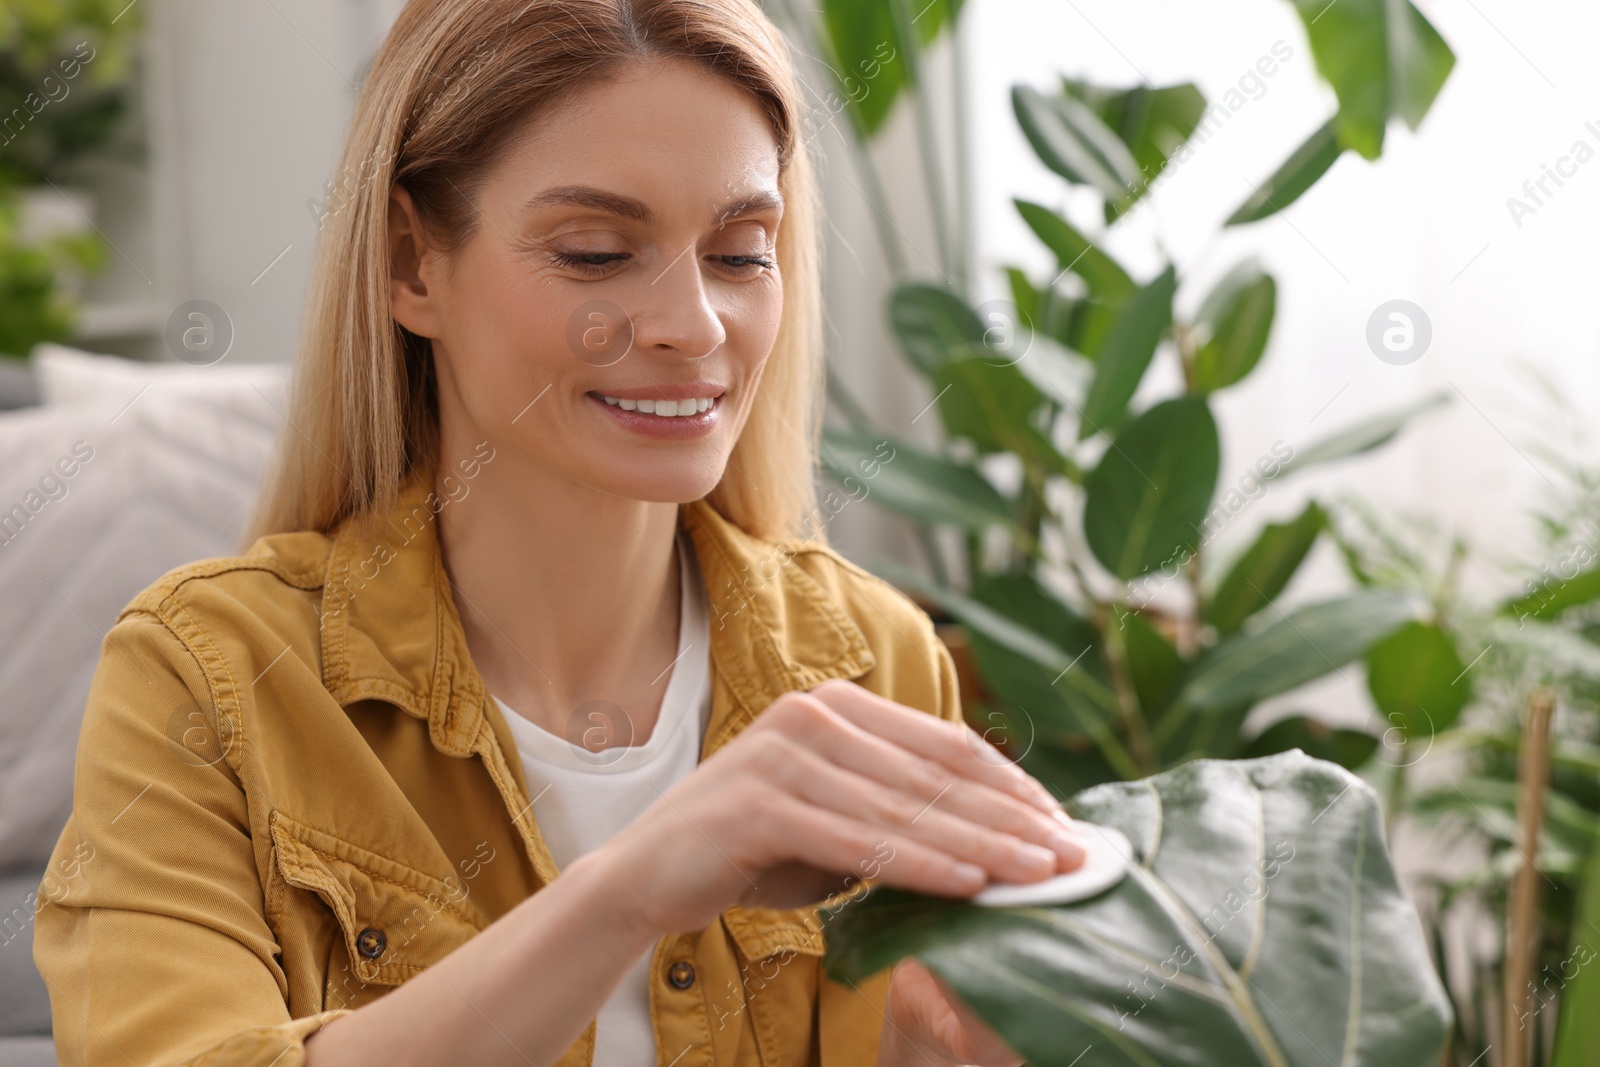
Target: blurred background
{"points": [[1221, 376]]}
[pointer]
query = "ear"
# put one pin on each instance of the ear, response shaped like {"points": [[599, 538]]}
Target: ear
{"points": [[412, 302]]}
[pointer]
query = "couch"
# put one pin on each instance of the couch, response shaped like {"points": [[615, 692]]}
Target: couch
{"points": [[111, 473]]}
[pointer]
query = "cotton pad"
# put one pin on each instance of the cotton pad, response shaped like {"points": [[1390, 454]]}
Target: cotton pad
{"points": [[1103, 867]]}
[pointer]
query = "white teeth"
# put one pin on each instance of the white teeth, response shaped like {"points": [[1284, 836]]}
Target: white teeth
{"points": [[662, 408]]}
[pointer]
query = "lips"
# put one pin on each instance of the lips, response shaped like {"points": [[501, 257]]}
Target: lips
{"points": [[691, 416], [666, 391]]}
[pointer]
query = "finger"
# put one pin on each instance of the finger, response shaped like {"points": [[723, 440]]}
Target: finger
{"points": [[832, 841], [1004, 856], [976, 1043], [956, 746], [858, 751]]}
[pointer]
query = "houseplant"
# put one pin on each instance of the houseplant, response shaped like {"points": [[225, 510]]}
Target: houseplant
{"points": [[1081, 516], [1536, 632], [66, 70], [1094, 670]]}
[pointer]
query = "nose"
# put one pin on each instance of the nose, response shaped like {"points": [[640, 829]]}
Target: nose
{"points": [[674, 311]]}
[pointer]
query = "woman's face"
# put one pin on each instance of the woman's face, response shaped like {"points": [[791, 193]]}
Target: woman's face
{"points": [[624, 269]]}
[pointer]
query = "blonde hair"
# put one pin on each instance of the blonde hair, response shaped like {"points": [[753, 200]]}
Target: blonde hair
{"points": [[450, 87]]}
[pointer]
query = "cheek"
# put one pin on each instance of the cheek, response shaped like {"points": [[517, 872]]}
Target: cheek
{"points": [[511, 336], [752, 325]]}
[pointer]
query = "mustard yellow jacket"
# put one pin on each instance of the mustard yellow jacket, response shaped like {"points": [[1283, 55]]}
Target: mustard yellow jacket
{"points": [[292, 794]]}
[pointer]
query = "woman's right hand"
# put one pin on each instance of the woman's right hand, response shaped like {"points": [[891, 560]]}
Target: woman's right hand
{"points": [[829, 785]]}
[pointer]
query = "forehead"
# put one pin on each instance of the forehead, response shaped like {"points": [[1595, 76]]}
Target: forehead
{"points": [[668, 132]]}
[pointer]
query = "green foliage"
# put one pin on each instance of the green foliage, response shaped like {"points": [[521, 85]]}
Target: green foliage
{"points": [[1106, 683], [1454, 687], [1234, 321], [1383, 59], [1258, 576], [1261, 923], [32, 305], [1144, 502], [1126, 354], [1578, 1036], [873, 51], [64, 70], [1417, 680], [1107, 652]]}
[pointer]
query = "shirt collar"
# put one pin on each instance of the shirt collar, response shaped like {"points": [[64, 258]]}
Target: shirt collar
{"points": [[390, 630]]}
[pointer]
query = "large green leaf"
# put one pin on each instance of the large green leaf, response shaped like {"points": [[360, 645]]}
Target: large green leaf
{"points": [[1417, 680], [1153, 663], [994, 405], [932, 322], [1040, 661], [1125, 354], [1153, 122], [1382, 58], [1070, 139], [1304, 644], [1297, 174], [1061, 374], [1103, 275], [1265, 569], [1261, 924], [1556, 595], [1145, 501], [1363, 436], [1235, 321], [1041, 709], [907, 480]]}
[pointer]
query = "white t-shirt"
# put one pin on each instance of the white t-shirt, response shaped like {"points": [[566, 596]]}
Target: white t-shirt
{"points": [[580, 798]]}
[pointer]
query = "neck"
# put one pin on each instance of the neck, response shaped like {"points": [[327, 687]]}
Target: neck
{"points": [[565, 594]]}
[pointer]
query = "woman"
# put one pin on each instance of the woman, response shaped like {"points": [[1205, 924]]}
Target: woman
{"points": [[552, 443]]}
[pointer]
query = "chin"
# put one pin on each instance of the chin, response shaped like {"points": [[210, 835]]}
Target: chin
{"points": [[664, 481]]}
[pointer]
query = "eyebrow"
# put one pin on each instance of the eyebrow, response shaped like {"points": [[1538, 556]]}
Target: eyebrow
{"points": [[629, 208]]}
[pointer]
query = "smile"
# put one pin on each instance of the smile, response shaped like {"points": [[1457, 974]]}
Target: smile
{"points": [[664, 408]]}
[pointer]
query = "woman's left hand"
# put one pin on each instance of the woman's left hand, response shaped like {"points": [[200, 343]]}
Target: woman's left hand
{"points": [[925, 1022]]}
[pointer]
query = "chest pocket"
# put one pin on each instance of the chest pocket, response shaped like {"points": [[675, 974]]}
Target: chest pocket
{"points": [[779, 952], [395, 920]]}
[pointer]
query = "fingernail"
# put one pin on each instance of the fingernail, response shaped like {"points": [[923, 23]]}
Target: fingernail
{"points": [[1067, 847], [1035, 856], [1060, 813], [971, 872]]}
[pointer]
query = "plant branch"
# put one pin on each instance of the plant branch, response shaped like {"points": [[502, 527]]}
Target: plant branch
{"points": [[1522, 912], [1139, 745], [927, 138]]}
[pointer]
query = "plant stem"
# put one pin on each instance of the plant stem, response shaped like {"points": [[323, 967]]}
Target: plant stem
{"points": [[840, 394], [888, 236], [927, 139], [965, 235], [1522, 910], [1189, 636], [930, 547], [1397, 793], [1139, 745]]}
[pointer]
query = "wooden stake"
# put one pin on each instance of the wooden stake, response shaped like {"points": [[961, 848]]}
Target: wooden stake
{"points": [[1522, 906]]}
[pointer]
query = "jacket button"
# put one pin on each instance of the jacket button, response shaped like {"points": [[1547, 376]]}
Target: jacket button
{"points": [[681, 974], [371, 942]]}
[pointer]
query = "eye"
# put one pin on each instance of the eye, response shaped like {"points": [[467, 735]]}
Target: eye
{"points": [[748, 265], [586, 262]]}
